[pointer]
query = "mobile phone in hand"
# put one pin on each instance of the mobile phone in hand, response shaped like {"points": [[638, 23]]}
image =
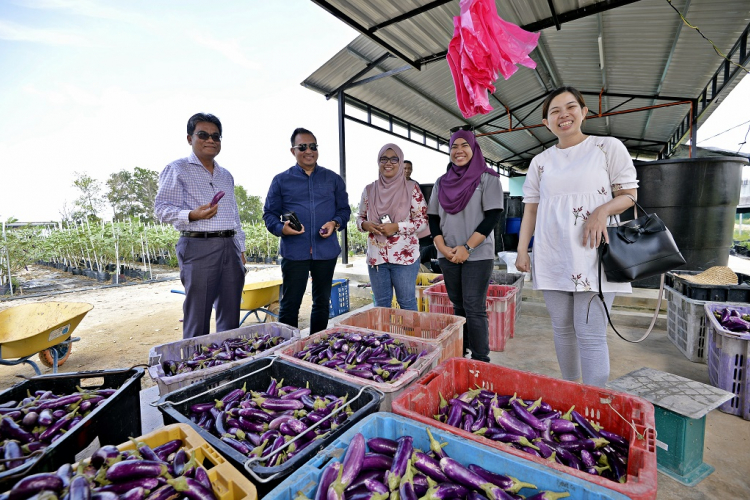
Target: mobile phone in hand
{"points": [[294, 222], [385, 219], [217, 197]]}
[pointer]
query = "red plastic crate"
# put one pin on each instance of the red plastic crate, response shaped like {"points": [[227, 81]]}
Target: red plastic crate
{"points": [[501, 310], [445, 330], [455, 376]]}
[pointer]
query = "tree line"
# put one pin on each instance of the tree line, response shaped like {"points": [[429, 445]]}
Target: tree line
{"points": [[131, 194]]}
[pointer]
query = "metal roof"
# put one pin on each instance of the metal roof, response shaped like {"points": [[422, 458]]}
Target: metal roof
{"points": [[396, 70]]}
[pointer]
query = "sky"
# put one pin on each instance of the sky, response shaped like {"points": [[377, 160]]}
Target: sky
{"points": [[100, 86]]}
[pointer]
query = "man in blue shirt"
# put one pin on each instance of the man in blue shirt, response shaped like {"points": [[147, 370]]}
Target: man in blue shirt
{"points": [[211, 248], [318, 197]]}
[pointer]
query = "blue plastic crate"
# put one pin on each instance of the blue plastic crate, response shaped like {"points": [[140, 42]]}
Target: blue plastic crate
{"points": [[392, 426], [339, 303]]}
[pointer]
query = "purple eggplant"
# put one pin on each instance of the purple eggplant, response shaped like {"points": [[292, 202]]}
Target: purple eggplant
{"points": [[12, 430], [507, 483], [329, 475], [446, 491], [584, 424], [192, 489], [406, 486], [33, 484], [352, 463], [12, 451], [400, 461], [430, 467], [615, 439], [382, 445], [548, 495], [525, 416], [103, 455], [163, 451], [435, 447], [511, 424], [376, 461], [165, 492], [460, 474], [135, 469]]}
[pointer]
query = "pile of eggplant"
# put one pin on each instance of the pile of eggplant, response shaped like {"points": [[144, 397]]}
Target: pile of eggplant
{"points": [[374, 356], [397, 470], [733, 320], [29, 426], [537, 428], [260, 424], [226, 352], [162, 473]]}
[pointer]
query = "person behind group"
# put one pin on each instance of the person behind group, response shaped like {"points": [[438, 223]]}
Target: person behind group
{"points": [[408, 167], [211, 248], [570, 192], [318, 197], [392, 210], [464, 208]]}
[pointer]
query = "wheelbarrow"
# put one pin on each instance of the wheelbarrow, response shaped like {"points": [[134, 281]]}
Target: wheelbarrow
{"points": [[44, 329], [256, 297]]}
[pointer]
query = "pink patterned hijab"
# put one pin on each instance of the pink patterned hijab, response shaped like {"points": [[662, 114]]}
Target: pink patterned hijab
{"points": [[390, 196]]}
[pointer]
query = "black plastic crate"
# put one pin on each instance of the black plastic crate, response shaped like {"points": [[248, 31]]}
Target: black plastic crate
{"points": [[111, 423], [295, 375], [712, 293]]}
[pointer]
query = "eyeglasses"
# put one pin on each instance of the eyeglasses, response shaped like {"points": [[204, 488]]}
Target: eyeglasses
{"points": [[469, 128], [303, 147], [203, 136], [393, 160]]}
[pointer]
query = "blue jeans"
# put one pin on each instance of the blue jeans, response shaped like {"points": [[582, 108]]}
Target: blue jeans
{"points": [[467, 285], [295, 274], [387, 277]]}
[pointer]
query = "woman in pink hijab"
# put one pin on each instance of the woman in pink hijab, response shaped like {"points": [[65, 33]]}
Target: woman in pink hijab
{"points": [[392, 210]]}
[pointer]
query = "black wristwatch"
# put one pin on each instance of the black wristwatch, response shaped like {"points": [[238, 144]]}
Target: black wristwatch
{"points": [[468, 248]]}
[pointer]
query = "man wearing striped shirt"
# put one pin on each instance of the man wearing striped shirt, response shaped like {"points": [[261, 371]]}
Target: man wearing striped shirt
{"points": [[211, 248]]}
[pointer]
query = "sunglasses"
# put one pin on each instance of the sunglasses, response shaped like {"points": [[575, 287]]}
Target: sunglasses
{"points": [[469, 128], [393, 159], [303, 147], [203, 136]]}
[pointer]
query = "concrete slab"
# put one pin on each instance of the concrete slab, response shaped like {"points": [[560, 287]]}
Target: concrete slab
{"points": [[151, 418]]}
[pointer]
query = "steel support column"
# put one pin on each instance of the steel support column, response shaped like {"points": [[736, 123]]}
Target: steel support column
{"points": [[342, 169]]}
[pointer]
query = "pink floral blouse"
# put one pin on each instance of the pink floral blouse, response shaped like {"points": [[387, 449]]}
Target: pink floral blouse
{"points": [[403, 247]]}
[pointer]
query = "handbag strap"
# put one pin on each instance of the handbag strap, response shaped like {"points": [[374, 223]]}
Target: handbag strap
{"points": [[609, 319]]}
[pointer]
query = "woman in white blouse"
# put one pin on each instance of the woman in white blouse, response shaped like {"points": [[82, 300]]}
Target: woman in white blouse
{"points": [[571, 191]]}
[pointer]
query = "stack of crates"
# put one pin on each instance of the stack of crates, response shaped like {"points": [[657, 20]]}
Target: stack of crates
{"points": [[339, 303]]}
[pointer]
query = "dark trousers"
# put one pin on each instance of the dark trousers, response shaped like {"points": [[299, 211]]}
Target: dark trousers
{"points": [[295, 274], [212, 273], [467, 285]]}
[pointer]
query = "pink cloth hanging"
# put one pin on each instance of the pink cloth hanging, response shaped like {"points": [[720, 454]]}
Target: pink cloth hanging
{"points": [[484, 45]]}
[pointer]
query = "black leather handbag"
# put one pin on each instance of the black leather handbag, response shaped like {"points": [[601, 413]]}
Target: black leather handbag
{"points": [[639, 249]]}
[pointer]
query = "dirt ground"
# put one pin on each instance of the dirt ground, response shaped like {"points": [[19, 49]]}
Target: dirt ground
{"points": [[127, 321]]}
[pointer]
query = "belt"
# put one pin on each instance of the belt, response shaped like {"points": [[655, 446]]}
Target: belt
{"points": [[216, 234]]}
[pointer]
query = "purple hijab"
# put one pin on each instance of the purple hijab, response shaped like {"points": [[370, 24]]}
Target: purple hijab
{"points": [[458, 184]]}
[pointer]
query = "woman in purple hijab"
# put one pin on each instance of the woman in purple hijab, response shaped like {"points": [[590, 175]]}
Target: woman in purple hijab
{"points": [[465, 206], [392, 210]]}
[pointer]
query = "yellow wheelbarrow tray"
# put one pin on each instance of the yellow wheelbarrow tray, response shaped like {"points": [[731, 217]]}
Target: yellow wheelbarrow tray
{"points": [[256, 297], [32, 328]]}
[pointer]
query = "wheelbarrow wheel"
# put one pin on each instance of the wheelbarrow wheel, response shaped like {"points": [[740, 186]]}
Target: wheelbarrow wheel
{"points": [[63, 353]]}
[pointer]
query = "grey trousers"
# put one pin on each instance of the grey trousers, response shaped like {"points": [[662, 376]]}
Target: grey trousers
{"points": [[581, 345], [212, 273]]}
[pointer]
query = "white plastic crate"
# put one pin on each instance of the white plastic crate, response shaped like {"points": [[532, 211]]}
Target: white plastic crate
{"points": [[686, 325]]}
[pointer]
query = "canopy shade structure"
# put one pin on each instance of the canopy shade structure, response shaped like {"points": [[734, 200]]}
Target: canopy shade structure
{"points": [[648, 78]]}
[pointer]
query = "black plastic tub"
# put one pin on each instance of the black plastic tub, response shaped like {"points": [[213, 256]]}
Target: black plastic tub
{"points": [[320, 383], [111, 423]]}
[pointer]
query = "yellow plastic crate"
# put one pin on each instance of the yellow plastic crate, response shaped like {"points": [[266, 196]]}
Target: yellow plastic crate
{"points": [[423, 281], [228, 483]]}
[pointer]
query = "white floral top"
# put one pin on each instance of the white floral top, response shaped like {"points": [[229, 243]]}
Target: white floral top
{"points": [[403, 247], [569, 184]]}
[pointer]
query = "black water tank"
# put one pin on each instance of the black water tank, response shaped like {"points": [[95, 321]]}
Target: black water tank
{"points": [[697, 199]]}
